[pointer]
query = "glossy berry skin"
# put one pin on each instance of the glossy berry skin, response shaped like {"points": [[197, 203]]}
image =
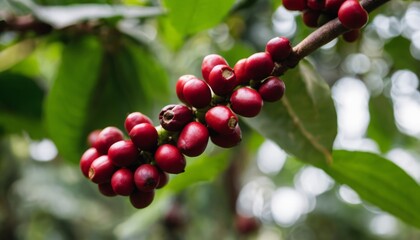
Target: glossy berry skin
{"points": [[279, 48], [272, 89], [240, 72], [294, 5], [311, 17], [135, 118], [91, 139], [246, 102], [141, 199], [352, 15], [106, 189], [193, 139], [163, 179], [106, 138], [221, 119], [316, 4], [222, 80], [144, 136], [197, 93], [209, 62], [170, 159], [179, 87], [122, 182], [227, 140], [123, 153], [86, 160], [332, 6], [259, 65], [146, 177], [101, 170], [174, 117], [352, 35]]}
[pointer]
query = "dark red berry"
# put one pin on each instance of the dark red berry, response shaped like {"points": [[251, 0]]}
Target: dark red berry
{"points": [[141, 199], [279, 48], [144, 136], [123, 153], [163, 179], [311, 18], [197, 93], [240, 72], [170, 159], [86, 160], [221, 119], [272, 89], [135, 118], [246, 225], [193, 139], [332, 6], [209, 62], [352, 35], [106, 189], [175, 116], [294, 5], [222, 80], [352, 15], [227, 140], [122, 182], [316, 4], [106, 138], [259, 65], [146, 177], [246, 102], [101, 170], [91, 139], [179, 87]]}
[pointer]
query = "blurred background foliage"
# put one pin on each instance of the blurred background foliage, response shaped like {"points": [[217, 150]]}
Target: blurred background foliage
{"points": [[68, 67]]}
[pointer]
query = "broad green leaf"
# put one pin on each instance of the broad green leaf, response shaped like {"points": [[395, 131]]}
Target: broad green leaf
{"points": [[191, 16], [304, 122], [16, 53], [399, 50], [68, 102], [378, 181]]}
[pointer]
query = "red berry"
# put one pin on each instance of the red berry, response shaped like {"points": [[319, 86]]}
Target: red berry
{"points": [[209, 62], [272, 89], [146, 177], [179, 87], [221, 119], [193, 139], [352, 15], [246, 102], [197, 93], [246, 225], [259, 65], [91, 139], [170, 159], [106, 138], [240, 72], [352, 35], [122, 182], [294, 5], [106, 189], [311, 17], [141, 199], [163, 179], [135, 118], [101, 170], [144, 136], [123, 153], [332, 6], [86, 160], [174, 117], [227, 140], [279, 48], [316, 4], [222, 80]]}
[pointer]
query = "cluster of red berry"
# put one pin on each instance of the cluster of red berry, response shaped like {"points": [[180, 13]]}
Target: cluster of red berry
{"points": [[135, 167], [317, 12]]}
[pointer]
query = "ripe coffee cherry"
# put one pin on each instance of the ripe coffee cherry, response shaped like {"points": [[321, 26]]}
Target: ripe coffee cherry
{"points": [[259, 65], [179, 87], [316, 4], [311, 17], [246, 225], [144, 136], [86, 160], [174, 117], [135, 118], [246, 102], [221, 119], [272, 89], [209, 62], [123, 153], [294, 5], [146, 177], [332, 6], [106, 138], [227, 140], [141, 199], [240, 72], [197, 93], [163, 179], [352, 15], [193, 139], [170, 159], [222, 80], [106, 189], [91, 139], [122, 182], [279, 48], [352, 35], [101, 170]]}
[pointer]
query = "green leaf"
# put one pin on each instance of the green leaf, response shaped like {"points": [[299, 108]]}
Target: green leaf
{"points": [[399, 49], [70, 96], [304, 122], [191, 16], [378, 181], [16, 53]]}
